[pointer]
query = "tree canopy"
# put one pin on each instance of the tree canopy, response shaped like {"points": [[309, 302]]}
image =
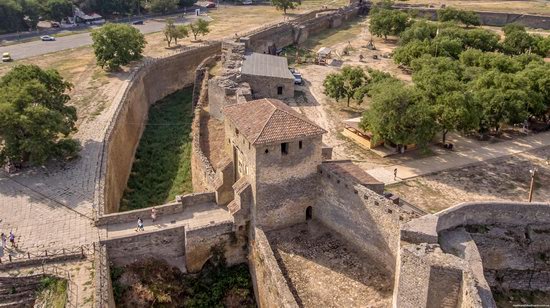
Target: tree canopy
{"points": [[174, 32], [117, 44], [285, 5], [35, 121], [58, 9], [468, 18], [384, 21], [164, 6], [349, 83], [201, 27]]}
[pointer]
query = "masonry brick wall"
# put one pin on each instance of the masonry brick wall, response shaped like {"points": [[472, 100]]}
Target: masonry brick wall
{"points": [[360, 215], [162, 210], [201, 242], [151, 83], [167, 244], [285, 185], [266, 87], [270, 286]]}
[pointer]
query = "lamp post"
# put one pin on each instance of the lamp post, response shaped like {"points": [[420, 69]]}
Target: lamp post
{"points": [[532, 186]]}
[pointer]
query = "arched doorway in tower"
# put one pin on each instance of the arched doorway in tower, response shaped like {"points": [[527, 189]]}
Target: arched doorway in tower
{"points": [[309, 213]]}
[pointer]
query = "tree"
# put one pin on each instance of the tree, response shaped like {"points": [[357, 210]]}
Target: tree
{"points": [[420, 30], [117, 44], [407, 53], [173, 32], [516, 40], [538, 74], [439, 83], [384, 22], [58, 9], [347, 84], [468, 18], [482, 39], [11, 14], [284, 5], [31, 10], [503, 97], [396, 115], [35, 120], [187, 3], [164, 6], [201, 27]]}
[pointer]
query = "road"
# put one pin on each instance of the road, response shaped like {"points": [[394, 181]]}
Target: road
{"points": [[37, 48]]}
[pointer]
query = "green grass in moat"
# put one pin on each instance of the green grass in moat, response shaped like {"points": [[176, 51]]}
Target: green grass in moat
{"points": [[162, 165]]}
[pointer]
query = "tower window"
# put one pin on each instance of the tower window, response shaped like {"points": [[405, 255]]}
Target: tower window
{"points": [[284, 148], [300, 144], [279, 90]]}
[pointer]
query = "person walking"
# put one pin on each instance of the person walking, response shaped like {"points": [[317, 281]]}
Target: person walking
{"points": [[395, 174], [153, 214], [4, 240], [140, 225], [12, 239]]}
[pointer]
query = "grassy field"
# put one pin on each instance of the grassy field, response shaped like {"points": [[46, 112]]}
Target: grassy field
{"points": [[162, 166]]}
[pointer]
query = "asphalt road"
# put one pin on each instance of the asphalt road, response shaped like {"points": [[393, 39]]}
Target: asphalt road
{"points": [[36, 48]]}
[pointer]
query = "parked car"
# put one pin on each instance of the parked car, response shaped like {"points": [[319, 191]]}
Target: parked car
{"points": [[138, 22], [6, 57], [298, 78], [47, 38], [55, 24], [211, 5], [247, 2]]}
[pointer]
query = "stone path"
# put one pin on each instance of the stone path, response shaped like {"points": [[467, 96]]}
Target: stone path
{"points": [[452, 160], [39, 223], [192, 216]]}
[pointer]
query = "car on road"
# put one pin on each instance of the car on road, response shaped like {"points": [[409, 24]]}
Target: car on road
{"points": [[6, 57], [138, 22], [211, 5], [247, 2], [47, 38]]}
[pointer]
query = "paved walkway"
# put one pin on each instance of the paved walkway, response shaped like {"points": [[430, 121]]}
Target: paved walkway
{"points": [[39, 223], [192, 216], [453, 160]]}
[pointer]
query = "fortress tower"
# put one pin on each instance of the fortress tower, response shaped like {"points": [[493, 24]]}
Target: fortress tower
{"points": [[277, 151]]}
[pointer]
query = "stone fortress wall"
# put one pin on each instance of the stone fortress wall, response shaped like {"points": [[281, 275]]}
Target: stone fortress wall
{"points": [[498, 19], [364, 218], [150, 83], [474, 248]]}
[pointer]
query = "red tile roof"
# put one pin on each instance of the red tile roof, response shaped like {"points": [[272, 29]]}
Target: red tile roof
{"points": [[268, 120]]}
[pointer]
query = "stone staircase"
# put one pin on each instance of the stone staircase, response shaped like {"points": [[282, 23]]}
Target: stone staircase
{"points": [[19, 291]]}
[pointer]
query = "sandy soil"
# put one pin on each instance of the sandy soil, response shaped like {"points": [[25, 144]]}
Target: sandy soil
{"points": [[501, 179], [322, 270]]}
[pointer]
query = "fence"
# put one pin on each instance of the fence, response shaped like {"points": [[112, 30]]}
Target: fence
{"points": [[46, 256], [103, 288]]}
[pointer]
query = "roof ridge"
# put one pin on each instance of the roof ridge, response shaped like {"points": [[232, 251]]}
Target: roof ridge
{"points": [[269, 119], [294, 115]]}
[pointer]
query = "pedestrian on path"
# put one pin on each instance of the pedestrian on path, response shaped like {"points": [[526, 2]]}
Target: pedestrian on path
{"points": [[4, 240], [139, 225], [12, 239], [395, 174], [153, 214]]}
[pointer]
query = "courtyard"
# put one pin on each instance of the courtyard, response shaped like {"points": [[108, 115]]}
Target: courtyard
{"points": [[323, 270]]}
